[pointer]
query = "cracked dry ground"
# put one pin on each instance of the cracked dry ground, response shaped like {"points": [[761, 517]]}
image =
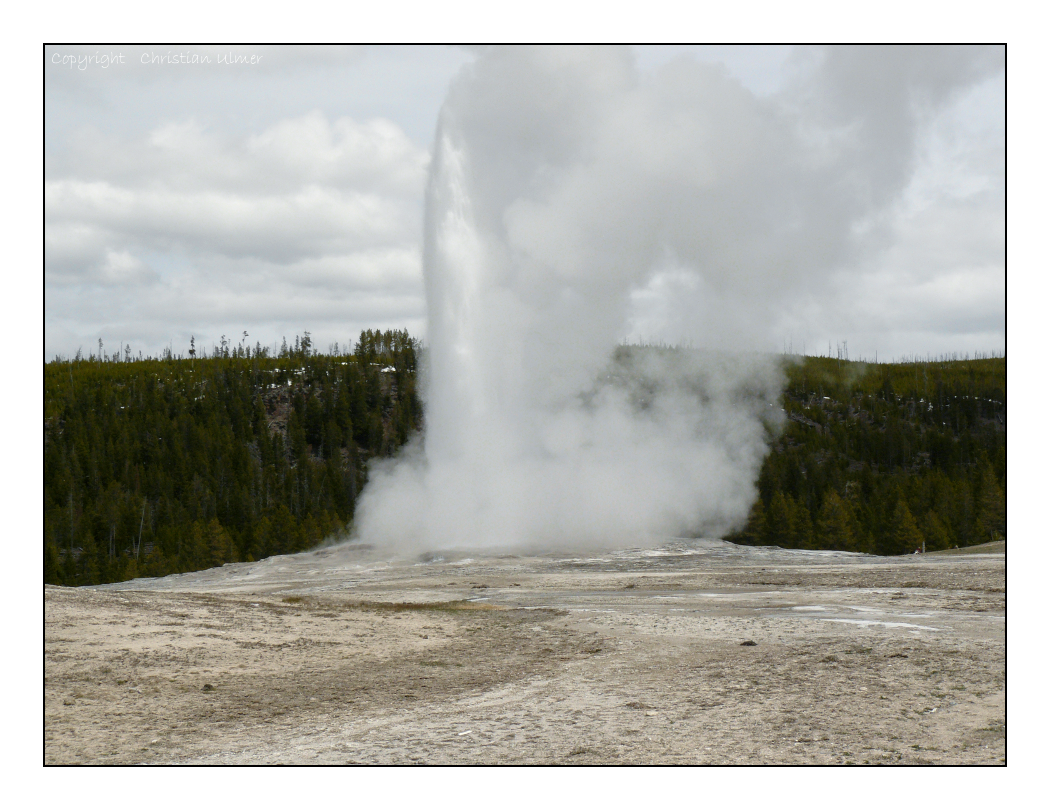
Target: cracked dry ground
{"points": [[327, 658]]}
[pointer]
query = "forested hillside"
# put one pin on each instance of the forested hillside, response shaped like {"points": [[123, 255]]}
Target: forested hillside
{"points": [[167, 465], [880, 458], [159, 466]]}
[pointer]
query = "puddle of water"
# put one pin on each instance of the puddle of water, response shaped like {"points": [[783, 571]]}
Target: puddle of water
{"points": [[810, 607], [739, 595], [871, 622]]}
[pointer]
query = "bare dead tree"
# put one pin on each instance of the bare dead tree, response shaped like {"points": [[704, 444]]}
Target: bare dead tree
{"points": [[138, 545]]}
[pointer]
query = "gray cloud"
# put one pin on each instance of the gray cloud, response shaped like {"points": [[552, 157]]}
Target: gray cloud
{"points": [[787, 196]]}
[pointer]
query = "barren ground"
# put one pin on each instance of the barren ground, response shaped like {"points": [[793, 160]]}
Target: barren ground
{"points": [[342, 656]]}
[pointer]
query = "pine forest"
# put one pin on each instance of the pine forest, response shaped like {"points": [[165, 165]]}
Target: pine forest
{"points": [[160, 466]]}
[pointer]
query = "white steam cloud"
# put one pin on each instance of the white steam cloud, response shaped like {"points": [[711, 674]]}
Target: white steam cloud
{"points": [[573, 200]]}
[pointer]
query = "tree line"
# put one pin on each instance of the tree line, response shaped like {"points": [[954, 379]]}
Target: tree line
{"points": [[161, 466]]}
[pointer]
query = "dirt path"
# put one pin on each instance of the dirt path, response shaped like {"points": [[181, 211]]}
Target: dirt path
{"points": [[635, 657]]}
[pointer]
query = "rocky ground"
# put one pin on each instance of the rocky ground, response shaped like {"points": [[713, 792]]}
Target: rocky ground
{"points": [[696, 652]]}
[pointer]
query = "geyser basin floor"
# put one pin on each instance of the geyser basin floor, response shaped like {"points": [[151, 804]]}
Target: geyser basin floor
{"points": [[627, 657]]}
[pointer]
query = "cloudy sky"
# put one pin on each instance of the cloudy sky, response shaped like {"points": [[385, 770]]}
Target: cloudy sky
{"points": [[185, 197]]}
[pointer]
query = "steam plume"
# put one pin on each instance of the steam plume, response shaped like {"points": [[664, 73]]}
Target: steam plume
{"points": [[571, 200]]}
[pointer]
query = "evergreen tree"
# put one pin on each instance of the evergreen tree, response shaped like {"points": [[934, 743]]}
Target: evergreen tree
{"points": [[220, 544], [89, 568], [754, 533], [780, 522], [834, 525], [935, 532], [803, 523], [991, 509], [906, 535], [52, 572]]}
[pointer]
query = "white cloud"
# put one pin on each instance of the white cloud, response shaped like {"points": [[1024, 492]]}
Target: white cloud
{"points": [[306, 210], [122, 269], [374, 154], [312, 220]]}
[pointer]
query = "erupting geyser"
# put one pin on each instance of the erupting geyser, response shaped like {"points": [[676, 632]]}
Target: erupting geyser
{"points": [[571, 202], [533, 438]]}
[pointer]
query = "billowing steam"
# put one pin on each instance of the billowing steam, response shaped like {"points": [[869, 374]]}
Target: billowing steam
{"points": [[571, 201]]}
